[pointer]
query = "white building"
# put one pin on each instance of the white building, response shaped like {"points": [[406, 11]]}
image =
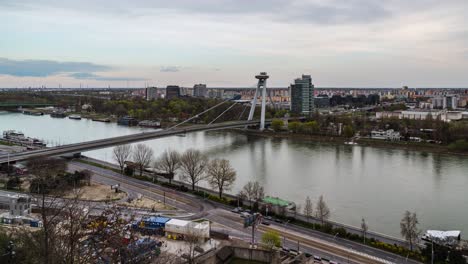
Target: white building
{"points": [[448, 238], [445, 102], [200, 90], [386, 135], [18, 204], [181, 228], [443, 115]]}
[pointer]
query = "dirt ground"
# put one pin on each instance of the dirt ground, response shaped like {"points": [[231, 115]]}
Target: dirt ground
{"points": [[148, 204], [98, 192]]}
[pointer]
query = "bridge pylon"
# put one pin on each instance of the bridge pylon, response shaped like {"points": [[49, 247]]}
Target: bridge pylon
{"points": [[262, 77]]}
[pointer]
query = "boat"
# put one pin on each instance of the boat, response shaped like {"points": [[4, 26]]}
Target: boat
{"points": [[33, 113], [127, 121], [18, 138], [149, 123], [105, 120], [75, 117], [58, 114], [12, 134]]}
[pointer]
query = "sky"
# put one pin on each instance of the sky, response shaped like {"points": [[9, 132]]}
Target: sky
{"points": [[224, 43]]}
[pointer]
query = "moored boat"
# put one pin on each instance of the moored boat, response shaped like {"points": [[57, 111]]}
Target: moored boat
{"points": [[75, 117], [149, 123]]}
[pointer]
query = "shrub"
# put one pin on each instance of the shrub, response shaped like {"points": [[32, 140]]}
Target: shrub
{"points": [[459, 145]]}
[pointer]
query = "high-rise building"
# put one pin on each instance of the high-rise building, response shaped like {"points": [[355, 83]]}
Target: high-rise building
{"points": [[172, 91], [151, 93], [302, 95], [199, 90]]}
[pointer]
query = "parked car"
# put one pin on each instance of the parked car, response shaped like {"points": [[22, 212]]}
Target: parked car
{"points": [[236, 210], [279, 221], [244, 214], [317, 259], [265, 223]]}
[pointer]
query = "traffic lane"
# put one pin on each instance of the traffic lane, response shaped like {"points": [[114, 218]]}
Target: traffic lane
{"points": [[239, 229], [350, 244]]}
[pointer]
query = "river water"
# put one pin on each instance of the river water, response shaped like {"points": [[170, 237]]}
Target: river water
{"points": [[375, 183]]}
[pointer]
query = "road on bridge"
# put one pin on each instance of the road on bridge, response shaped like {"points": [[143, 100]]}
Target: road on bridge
{"points": [[109, 142]]}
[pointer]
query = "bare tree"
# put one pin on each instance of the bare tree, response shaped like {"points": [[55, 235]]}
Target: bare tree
{"points": [[308, 208], [322, 211], [221, 175], [193, 239], [46, 186], [297, 209], [364, 228], [73, 219], [193, 165], [409, 228], [121, 154], [253, 192], [142, 155], [169, 162]]}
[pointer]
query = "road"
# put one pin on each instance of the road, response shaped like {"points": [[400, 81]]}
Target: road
{"points": [[310, 241]]}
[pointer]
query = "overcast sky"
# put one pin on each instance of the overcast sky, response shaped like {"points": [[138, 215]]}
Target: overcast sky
{"points": [[344, 43]]}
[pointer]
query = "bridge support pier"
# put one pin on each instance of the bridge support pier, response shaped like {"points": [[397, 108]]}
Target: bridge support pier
{"points": [[262, 77]]}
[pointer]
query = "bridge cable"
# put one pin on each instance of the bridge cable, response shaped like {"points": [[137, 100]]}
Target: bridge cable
{"points": [[243, 111], [198, 115], [223, 113]]}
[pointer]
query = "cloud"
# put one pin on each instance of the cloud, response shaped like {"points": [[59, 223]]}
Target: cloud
{"points": [[169, 69], [309, 11], [92, 76], [44, 68]]}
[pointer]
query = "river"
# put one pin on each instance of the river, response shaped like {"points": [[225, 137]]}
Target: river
{"points": [[375, 183]]}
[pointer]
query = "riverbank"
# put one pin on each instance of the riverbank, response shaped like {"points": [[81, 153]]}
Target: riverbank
{"points": [[367, 142]]}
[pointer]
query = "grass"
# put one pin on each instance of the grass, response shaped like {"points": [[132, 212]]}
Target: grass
{"points": [[95, 164], [5, 143]]}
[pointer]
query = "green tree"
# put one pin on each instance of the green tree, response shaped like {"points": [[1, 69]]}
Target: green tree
{"points": [[271, 239], [277, 124], [311, 127], [348, 131], [14, 183], [295, 126]]}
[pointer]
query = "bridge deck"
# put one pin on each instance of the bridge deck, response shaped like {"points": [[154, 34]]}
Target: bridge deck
{"points": [[108, 142]]}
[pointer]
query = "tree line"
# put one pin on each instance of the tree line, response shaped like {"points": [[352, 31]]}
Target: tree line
{"points": [[191, 166]]}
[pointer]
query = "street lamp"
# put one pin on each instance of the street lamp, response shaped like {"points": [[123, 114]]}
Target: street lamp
{"points": [[334, 237]]}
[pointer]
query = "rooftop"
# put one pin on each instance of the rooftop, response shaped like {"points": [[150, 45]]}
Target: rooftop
{"points": [[275, 201]]}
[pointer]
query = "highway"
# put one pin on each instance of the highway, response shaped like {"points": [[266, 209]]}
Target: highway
{"points": [[108, 142], [310, 241]]}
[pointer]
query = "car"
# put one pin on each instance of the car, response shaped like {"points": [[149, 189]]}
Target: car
{"points": [[317, 258], [268, 217], [279, 221], [244, 214], [237, 210], [265, 223]]}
